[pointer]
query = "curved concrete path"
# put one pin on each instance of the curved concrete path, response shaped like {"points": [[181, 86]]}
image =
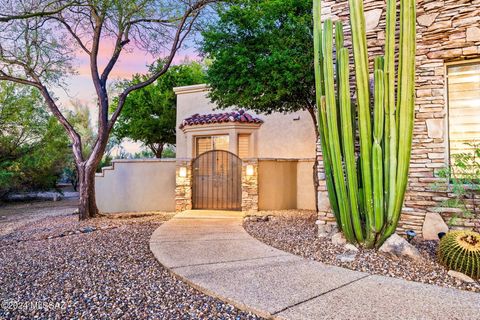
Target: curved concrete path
{"points": [[211, 251]]}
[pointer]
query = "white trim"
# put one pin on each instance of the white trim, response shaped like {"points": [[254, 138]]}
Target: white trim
{"points": [[191, 89]]}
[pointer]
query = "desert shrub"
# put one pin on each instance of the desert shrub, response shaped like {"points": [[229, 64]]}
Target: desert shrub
{"points": [[462, 178]]}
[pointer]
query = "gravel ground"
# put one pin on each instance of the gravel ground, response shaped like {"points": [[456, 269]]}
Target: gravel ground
{"points": [[108, 273], [295, 231]]}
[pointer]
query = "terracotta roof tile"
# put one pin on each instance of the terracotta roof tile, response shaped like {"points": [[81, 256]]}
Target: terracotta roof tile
{"points": [[233, 116]]}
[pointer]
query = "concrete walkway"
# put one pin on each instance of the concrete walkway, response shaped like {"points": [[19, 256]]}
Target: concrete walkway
{"points": [[211, 251]]}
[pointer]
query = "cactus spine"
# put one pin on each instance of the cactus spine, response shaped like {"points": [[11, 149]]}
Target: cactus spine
{"points": [[460, 251], [366, 186]]}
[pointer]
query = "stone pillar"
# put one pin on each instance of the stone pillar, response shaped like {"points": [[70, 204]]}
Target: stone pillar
{"points": [[326, 223], [183, 189], [250, 186]]}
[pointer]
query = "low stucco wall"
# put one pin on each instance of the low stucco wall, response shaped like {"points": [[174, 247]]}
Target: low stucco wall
{"points": [[136, 186], [285, 184], [277, 185], [305, 185]]}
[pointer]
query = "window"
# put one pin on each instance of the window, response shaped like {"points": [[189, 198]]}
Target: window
{"points": [[243, 146], [463, 107], [204, 144]]}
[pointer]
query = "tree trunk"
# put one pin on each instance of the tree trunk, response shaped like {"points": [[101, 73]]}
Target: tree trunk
{"points": [[86, 185], [157, 150]]}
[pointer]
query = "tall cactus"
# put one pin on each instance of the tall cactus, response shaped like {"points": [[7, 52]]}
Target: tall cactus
{"points": [[366, 185]]}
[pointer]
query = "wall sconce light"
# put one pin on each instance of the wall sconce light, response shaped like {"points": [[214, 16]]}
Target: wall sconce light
{"points": [[182, 172], [250, 171]]}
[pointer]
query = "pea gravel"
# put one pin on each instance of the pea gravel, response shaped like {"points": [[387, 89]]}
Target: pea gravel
{"points": [[108, 273], [295, 231]]}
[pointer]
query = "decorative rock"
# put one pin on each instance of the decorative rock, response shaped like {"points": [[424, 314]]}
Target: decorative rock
{"points": [[427, 20], [325, 230], [87, 229], [435, 128], [397, 246], [255, 218], [339, 239], [347, 257], [473, 34], [372, 19], [432, 225], [351, 247], [460, 276]]}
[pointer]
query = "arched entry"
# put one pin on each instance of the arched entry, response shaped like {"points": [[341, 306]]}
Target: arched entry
{"points": [[217, 181]]}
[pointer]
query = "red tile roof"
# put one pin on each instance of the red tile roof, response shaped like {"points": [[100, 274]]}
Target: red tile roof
{"points": [[233, 116]]}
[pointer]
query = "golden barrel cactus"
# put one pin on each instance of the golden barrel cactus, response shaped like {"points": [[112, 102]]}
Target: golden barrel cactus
{"points": [[460, 251]]}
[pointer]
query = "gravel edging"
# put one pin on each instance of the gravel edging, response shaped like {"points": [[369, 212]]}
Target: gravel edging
{"points": [[295, 231], [106, 274]]}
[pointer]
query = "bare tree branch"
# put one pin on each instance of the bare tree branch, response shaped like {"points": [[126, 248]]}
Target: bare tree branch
{"points": [[72, 32], [180, 36], [43, 13]]}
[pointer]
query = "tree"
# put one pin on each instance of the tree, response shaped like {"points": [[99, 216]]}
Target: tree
{"points": [[40, 42], [33, 146], [262, 58], [149, 114]]}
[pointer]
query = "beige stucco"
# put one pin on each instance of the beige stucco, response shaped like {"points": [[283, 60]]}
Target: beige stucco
{"points": [[285, 184], [305, 185], [289, 136], [136, 186], [277, 185]]}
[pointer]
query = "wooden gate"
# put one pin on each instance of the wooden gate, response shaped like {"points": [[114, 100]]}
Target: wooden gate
{"points": [[217, 181]]}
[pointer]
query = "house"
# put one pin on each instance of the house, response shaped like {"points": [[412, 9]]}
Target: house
{"points": [[270, 157], [225, 159]]}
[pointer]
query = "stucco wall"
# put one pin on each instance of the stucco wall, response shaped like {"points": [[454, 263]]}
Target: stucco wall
{"points": [[136, 186], [285, 185], [305, 185], [277, 184], [280, 136]]}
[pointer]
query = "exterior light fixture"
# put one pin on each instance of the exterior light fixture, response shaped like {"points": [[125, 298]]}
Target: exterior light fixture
{"points": [[182, 172], [250, 170], [410, 235]]}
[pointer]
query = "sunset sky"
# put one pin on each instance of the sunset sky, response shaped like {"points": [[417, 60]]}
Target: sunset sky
{"points": [[80, 87]]}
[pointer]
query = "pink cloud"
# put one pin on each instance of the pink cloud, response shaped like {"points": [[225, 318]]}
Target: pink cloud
{"points": [[80, 86]]}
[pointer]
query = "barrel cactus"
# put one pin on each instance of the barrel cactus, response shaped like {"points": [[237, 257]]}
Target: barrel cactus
{"points": [[460, 251]]}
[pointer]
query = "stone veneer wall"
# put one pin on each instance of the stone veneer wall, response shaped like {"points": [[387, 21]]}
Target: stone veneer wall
{"points": [[250, 186], [446, 31], [183, 189]]}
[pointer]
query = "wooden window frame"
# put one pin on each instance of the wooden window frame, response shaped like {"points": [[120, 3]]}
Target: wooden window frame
{"points": [[212, 136], [447, 65]]}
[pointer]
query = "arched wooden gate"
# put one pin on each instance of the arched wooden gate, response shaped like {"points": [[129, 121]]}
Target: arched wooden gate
{"points": [[217, 181]]}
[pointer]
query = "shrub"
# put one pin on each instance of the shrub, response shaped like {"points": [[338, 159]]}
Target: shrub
{"points": [[463, 181]]}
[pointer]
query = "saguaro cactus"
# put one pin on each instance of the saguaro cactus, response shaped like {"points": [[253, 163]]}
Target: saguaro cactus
{"points": [[366, 185]]}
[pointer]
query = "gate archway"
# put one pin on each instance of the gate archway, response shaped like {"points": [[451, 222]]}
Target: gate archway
{"points": [[217, 181]]}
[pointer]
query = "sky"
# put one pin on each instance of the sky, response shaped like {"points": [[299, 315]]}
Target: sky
{"points": [[80, 87]]}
